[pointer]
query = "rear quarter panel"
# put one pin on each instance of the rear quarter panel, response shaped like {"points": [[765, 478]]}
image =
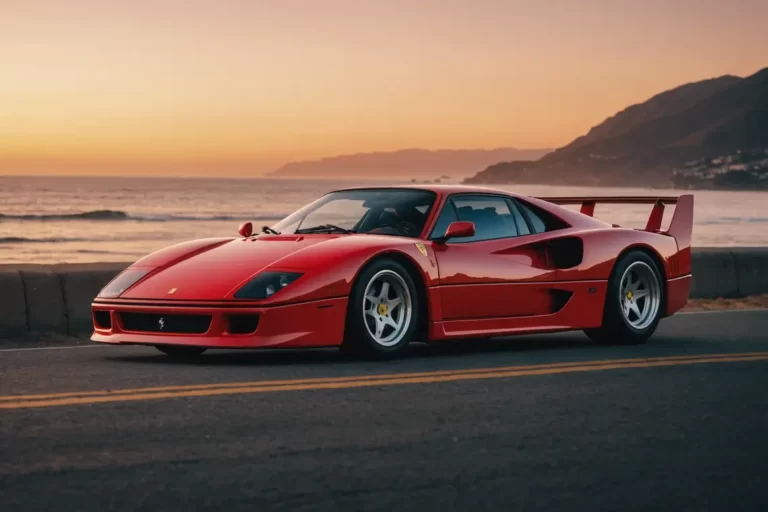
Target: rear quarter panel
{"points": [[602, 247]]}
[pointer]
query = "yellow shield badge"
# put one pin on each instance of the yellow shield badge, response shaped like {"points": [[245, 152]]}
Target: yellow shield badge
{"points": [[421, 248]]}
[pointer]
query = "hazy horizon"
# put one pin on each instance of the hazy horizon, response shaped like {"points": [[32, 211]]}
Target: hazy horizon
{"points": [[239, 88]]}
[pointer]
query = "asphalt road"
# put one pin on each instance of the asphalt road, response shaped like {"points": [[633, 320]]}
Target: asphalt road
{"points": [[532, 423]]}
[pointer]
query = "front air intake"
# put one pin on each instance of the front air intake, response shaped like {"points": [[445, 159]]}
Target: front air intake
{"points": [[242, 324], [102, 320], [159, 323]]}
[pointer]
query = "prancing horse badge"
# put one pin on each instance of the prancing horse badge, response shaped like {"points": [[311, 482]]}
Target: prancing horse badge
{"points": [[421, 248]]}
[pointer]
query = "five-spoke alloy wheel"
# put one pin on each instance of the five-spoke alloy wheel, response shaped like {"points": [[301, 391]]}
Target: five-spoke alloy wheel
{"points": [[383, 310], [640, 295], [634, 301], [387, 306]]}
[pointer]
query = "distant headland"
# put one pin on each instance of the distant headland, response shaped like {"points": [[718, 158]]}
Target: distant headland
{"points": [[418, 164], [711, 134]]}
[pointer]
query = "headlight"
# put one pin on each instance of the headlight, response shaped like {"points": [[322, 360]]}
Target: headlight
{"points": [[266, 284], [122, 282]]}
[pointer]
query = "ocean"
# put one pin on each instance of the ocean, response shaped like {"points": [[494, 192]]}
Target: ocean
{"points": [[87, 219]]}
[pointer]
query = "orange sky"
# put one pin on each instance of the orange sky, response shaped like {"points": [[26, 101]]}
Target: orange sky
{"points": [[195, 87]]}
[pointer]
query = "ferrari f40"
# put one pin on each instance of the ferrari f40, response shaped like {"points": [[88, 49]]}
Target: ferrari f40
{"points": [[372, 269]]}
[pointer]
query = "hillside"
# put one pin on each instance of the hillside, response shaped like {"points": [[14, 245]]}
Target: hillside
{"points": [[407, 163], [708, 134]]}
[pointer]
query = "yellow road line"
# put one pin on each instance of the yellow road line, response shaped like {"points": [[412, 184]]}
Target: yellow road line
{"points": [[369, 381], [355, 378]]}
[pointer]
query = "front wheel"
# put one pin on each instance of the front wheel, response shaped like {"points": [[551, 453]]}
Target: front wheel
{"points": [[634, 302], [180, 351], [382, 314]]}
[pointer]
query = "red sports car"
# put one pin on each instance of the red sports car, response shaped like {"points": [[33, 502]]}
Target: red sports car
{"points": [[372, 269]]}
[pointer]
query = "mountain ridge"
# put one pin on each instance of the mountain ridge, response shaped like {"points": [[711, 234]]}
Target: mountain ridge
{"points": [[692, 136], [677, 98], [408, 162]]}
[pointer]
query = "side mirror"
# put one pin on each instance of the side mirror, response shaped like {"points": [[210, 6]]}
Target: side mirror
{"points": [[246, 229], [458, 229]]}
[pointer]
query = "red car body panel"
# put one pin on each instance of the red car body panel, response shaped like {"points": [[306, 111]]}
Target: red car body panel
{"points": [[483, 288], [329, 264], [306, 324], [583, 310]]}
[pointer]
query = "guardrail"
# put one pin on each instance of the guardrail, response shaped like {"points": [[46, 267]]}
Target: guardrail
{"points": [[57, 298]]}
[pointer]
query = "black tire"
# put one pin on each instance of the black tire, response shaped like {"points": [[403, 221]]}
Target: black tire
{"points": [[181, 351], [358, 339], [617, 329]]}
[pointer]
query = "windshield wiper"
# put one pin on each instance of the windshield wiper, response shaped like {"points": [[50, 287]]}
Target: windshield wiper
{"points": [[267, 229], [324, 227]]}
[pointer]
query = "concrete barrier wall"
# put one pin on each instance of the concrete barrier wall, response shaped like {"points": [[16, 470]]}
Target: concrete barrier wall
{"points": [[57, 298], [13, 300], [51, 299], [729, 272]]}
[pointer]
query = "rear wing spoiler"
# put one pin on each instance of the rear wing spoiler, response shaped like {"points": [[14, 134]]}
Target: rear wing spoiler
{"points": [[681, 226]]}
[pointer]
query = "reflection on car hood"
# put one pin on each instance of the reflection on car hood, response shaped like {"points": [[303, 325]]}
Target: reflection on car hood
{"points": [[213, 274]]}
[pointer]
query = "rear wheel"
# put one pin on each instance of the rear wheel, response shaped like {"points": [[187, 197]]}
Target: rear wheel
{"points": [[180, 351], [382, 314], [634, 302]]}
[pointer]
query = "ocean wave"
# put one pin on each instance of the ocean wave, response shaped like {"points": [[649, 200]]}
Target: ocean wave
{"points": [[24, 240], [117, 215], [118, 238], [734, 220], [121, 253]]}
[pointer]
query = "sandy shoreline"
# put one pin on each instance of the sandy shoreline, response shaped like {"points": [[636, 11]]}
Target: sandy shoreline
{"points": [[753, 302]]}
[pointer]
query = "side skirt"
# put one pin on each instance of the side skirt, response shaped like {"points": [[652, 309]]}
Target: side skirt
{"points": [[583, 310]]}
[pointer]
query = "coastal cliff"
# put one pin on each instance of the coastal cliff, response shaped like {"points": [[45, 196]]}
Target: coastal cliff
{"points": [[708, 134]]}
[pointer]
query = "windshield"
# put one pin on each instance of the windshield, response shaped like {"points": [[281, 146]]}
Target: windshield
{"points": [[399, 212]]}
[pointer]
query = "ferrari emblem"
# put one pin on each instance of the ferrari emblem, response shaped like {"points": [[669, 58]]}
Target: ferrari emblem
{"points": [[421, 248], [161, 324], [383, 309], [172, 291], [629, 295]]}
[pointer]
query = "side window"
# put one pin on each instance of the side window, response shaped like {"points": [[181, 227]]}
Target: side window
{"points": [[540, 220], [447, 215], [522, 225], [491, 215]]}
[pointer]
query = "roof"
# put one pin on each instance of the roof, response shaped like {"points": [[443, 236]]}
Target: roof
{"points": [[571, 217], [438, 187]]}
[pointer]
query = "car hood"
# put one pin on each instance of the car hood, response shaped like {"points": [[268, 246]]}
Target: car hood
{"points": [[216, 273]]}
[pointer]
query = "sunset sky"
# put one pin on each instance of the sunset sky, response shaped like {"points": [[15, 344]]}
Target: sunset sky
{"points": [[240, 87]]}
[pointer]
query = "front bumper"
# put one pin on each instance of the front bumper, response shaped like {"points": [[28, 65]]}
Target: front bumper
{"points": [[309, 324]]}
